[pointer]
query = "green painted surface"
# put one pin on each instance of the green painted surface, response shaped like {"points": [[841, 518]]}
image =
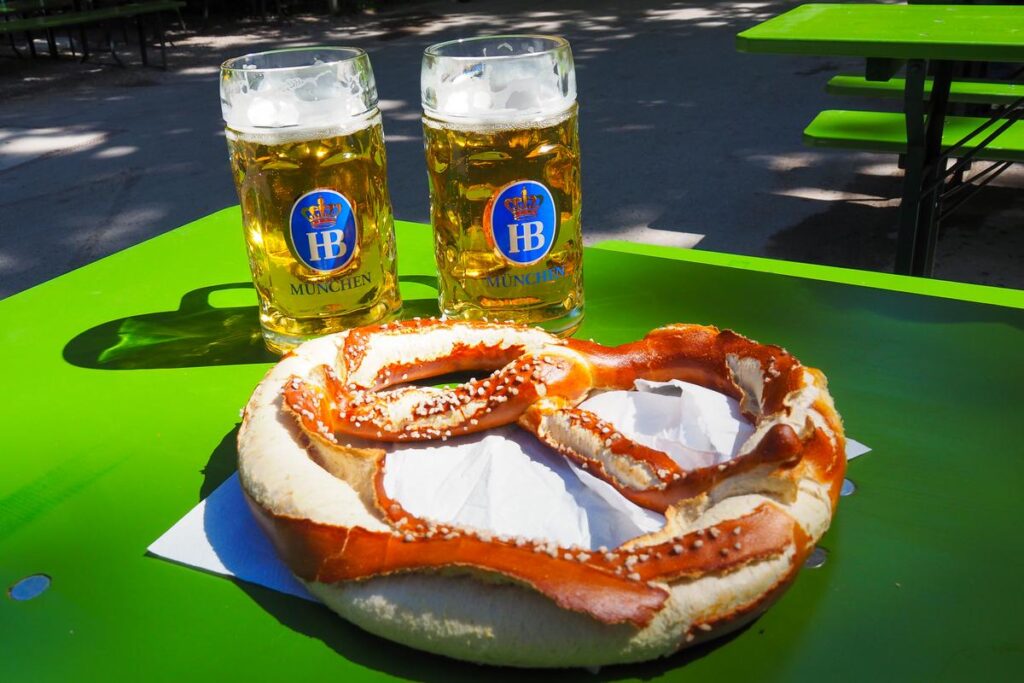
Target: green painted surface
{"points": [[887, 132], [961, 32], [982, 294], [968, 91], [124, 383]]}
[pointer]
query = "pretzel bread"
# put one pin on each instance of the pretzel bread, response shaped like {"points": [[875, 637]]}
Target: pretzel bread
{"points": [[312, 465]]}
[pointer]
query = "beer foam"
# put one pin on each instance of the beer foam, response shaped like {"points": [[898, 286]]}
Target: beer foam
{"points": [[280, 136], [278, 92], [493, 125], [510, 79]]}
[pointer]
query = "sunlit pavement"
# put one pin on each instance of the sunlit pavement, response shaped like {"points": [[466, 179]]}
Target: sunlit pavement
{"points": [[685, 141]]}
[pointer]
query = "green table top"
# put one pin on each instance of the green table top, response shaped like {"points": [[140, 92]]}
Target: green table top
{"points": [[124, 384], [955, 32]]}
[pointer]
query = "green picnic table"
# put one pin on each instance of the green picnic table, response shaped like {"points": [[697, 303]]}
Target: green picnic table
{"points": [[925, 38], [123, 389], [81, 16], [10, 9]]}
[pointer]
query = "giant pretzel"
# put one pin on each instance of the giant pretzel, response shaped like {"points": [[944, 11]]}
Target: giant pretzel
{"points": [[735, 533]]}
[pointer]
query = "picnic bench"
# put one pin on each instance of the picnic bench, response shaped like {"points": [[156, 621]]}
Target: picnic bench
{"points": [[11, 9], [82, 17], [926, 41], [966, 91], [886, 132]]}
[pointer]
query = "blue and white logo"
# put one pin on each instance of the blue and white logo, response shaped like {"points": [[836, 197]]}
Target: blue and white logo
{"points": [[521, 220], [323, 230]]}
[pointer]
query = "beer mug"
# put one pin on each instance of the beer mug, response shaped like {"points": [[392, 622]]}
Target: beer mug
{"points": [[307, 154], [503, 165]]}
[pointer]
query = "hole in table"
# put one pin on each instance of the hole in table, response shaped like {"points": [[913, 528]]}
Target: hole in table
{"points": [[30, 587], [817, 558], [848, 488]]}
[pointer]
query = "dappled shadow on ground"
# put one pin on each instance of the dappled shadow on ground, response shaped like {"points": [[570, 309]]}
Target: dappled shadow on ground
{"points": [[682, 137], [856, 227]]}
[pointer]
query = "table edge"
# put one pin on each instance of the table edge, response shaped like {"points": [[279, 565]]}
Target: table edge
{"points": [[749, 41], [982, 294], [944, 289]]}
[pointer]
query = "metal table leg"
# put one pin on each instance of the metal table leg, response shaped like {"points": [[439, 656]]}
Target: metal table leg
{"points": [[10, 38], [110, 44], [163, 41], [913, 108], [142, 40], [934, 168], [84, 37], [51, 43], [918, 231], [14, 45]]}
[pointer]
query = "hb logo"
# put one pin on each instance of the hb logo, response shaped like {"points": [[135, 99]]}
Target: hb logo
{"points": [[323, 230], [528, 236], [520, 221]]}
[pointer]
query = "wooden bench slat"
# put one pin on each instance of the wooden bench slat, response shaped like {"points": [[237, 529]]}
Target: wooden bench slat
{"points": [[887, 132], [974, 91]]}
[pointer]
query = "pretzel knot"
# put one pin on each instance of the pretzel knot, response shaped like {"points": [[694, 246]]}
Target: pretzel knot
{"points": [[765, 507]]}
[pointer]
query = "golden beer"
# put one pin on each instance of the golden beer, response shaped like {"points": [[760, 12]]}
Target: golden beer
{"points": [[467, 166], [503, 163], [296, 301], [307, 155]]}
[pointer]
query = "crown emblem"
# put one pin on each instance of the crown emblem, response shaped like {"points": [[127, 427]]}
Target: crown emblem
{"points": [[322, 215], [524, 205]]}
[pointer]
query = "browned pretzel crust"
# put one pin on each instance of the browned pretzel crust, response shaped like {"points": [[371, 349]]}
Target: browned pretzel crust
{"points": [[538, 381]]}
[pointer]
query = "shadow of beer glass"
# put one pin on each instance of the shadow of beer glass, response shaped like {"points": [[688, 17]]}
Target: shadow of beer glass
{"points": [[197, 334]]}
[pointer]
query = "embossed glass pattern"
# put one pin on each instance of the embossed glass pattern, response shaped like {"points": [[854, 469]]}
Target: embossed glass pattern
{"points": [[502, 149], [307, 154]]}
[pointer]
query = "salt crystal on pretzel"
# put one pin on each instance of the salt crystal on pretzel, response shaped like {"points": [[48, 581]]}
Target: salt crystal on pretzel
{"points": [[735, 533]]}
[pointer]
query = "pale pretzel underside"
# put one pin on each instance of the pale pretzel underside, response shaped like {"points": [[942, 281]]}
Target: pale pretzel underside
{"points": [[538, 381]]}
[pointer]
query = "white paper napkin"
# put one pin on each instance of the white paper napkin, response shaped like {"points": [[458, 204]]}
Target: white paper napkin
{"points": [[508, 483], [221, 536], [503, 481]]}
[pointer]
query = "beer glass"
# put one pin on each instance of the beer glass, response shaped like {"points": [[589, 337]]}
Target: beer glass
{"points": [[307, 154], [503, 165]]}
